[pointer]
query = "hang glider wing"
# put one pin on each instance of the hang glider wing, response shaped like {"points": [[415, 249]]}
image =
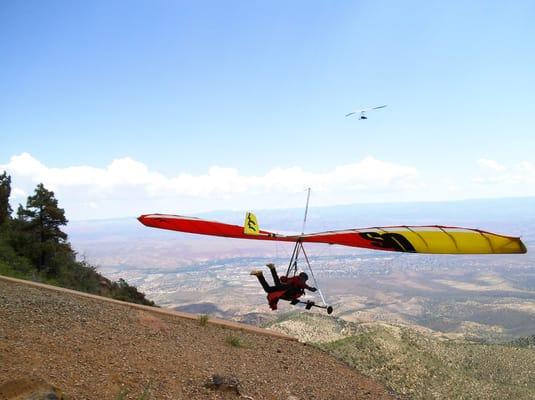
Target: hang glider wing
{"points": [[365, 109], [423, 239], [410, 239], [205, 227]]}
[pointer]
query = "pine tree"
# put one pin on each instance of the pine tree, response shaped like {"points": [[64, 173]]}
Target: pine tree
{"points": [[5, 192], [43, 218], [21, 213]]}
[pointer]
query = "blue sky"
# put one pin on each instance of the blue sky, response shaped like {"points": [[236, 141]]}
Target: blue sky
{"points": [[127, 107]]}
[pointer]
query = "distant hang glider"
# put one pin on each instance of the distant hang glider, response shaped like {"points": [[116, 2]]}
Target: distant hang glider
{"points": [[409, 239], [363, 111]]}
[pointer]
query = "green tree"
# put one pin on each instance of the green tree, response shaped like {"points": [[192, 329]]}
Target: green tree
{"points": [[43, 218], [33, 246], [21, 213], [5, 192], [121, 290]]}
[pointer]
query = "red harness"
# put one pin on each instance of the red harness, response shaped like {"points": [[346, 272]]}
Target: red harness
{"points": [[296, 288]]}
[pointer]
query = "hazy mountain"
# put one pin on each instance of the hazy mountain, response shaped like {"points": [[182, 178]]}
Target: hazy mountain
{"points": [[124, 241], [512, 212]]}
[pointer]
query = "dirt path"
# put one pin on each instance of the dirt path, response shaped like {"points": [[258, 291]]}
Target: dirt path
{"points": [[92, 348]]}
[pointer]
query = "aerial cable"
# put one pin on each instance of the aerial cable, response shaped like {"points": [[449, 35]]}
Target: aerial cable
{"points": [[306, 212]]}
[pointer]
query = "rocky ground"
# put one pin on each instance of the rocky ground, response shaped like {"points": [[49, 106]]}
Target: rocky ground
{"points": [[92, 349]]}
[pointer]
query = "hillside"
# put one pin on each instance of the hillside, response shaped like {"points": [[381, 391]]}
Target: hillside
{"points": [[33, 247], [92, 348], [420, 363]]}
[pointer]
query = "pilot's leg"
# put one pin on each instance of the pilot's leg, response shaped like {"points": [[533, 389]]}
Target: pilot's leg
{"points": [[274, 274], [262, 280]]}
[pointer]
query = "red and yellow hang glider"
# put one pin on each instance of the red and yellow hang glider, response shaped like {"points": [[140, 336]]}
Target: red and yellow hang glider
{"points": [[411, 239]]}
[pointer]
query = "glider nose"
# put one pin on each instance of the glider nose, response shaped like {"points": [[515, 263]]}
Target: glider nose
{"points": [[143, 219]]}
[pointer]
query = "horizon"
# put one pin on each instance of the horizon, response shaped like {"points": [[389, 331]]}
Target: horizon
{"points": [[312, 207]]}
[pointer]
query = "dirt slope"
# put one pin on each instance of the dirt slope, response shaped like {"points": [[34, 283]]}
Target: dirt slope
{"points": [[94, 349]]}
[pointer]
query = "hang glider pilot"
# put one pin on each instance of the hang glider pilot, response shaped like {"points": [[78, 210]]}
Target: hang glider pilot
{"points": [[285, 288]]}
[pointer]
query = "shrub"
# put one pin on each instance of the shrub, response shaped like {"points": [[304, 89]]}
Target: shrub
{"points": [[235, 341], [203, 319]]}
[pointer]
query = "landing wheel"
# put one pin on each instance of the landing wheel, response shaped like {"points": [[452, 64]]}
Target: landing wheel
{"points": [[329, 310]]}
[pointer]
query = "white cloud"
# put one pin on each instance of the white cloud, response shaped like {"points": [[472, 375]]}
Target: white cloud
{"points": [[492, 172], [127, 186], [524, 172], [490, 165], [18, 193]]}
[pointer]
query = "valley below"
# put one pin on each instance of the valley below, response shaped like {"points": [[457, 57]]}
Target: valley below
{"points": [[479, 297], [476, 297]]}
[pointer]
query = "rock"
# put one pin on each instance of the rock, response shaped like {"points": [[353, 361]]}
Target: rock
{"points": [[31, 388], [223, 384]]}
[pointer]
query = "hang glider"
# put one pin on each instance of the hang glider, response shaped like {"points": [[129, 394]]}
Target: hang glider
{"points": [[410, 239], [363, 111], [433, 239]]}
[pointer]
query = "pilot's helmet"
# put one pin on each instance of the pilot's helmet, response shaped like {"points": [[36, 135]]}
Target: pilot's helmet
{"points": [[303, 276]]}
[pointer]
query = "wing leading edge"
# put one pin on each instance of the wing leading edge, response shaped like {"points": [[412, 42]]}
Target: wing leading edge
{"points": [[411, 239]]}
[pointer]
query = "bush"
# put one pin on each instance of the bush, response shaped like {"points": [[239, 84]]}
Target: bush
{"points": [[203, 319], [235, 341], [13, 264]]}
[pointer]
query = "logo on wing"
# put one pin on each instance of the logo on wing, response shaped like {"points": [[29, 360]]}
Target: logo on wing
{"points": [[250, 226], [389, 241]]}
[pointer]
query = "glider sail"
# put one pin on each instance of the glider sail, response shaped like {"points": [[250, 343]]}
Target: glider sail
{"points": [[410, 239], [250, 226]]}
